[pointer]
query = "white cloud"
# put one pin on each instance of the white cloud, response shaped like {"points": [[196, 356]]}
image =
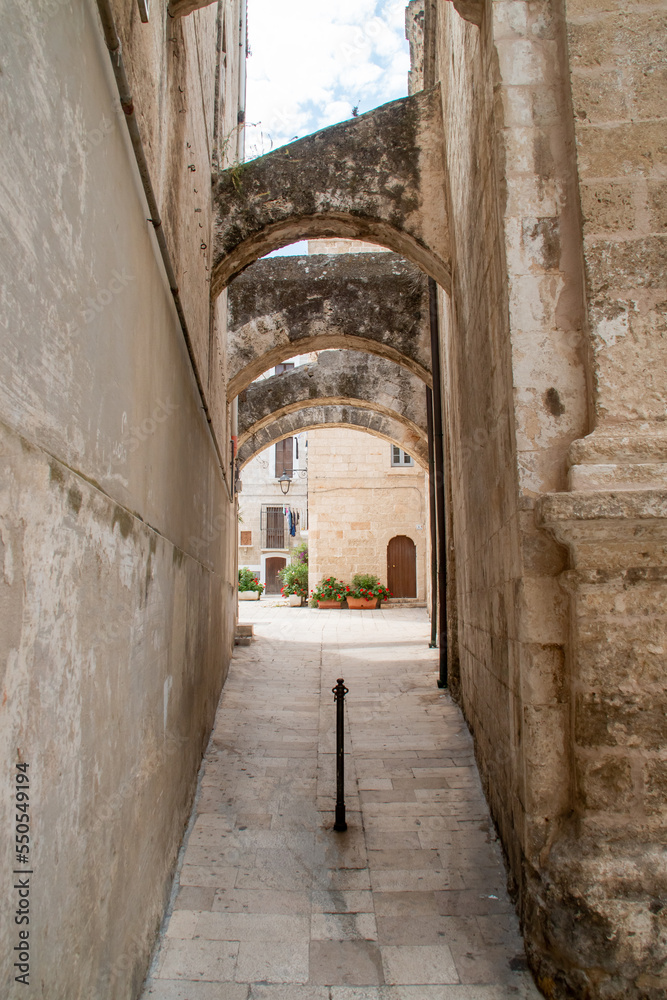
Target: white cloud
{"points": [[311, 64]]}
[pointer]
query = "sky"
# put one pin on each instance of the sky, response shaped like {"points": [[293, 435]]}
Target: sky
{"points": [[313, 61]]}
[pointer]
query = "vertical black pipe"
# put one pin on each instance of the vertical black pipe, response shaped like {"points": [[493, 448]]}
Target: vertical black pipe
{"points": [[339, 693], [438, 447], [432, 518]]}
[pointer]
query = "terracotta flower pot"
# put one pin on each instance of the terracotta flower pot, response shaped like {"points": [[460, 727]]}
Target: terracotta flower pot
{"points": [[359, 603], [329, 604]]}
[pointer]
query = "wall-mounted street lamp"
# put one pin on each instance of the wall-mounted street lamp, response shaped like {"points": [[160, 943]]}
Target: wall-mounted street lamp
{"points": [[287, 477]]}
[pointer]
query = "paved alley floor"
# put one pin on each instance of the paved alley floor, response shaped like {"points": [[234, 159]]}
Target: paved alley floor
{"points": [[409, 903]]}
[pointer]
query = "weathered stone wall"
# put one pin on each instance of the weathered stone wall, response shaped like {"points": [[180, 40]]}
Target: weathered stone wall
{"points": [[375, 302], [357, 502], [567, 746], [336, 377], [118, 536], [617, 67], [610, 868]]}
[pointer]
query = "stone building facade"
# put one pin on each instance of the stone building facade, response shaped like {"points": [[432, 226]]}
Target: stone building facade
{"points": [[360, 499], [266, 543]]}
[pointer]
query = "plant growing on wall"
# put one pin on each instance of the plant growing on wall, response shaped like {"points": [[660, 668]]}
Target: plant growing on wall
{"points": [[248, 581]]}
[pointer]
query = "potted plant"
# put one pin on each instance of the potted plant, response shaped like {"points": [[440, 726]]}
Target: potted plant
{"points": [[366, 592], [329, 593], [294, 577], [250, 589]]}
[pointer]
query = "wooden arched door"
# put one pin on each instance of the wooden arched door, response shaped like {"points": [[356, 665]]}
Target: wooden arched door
{"points": [[273, 565], [402, 566]]}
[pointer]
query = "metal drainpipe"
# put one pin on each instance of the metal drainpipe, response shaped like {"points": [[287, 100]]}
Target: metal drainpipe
{"points": [[439, 480], [432, 519], [113, 44]]}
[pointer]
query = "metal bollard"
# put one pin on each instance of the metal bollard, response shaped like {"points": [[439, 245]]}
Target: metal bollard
{"points": [[339, 693]]}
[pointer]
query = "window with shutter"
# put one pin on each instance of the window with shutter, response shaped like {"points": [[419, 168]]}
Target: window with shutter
{"points": [[285, 457]]}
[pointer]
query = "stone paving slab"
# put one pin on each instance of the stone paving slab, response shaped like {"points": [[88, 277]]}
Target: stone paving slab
{"points": [[410, 903]]}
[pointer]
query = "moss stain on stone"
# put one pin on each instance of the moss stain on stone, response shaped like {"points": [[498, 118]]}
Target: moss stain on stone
{"points": [[74, 499], [123, 520]]}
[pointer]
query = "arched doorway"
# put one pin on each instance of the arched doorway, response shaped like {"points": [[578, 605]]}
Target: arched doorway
{"points": [[273, 565], [402, 566]]}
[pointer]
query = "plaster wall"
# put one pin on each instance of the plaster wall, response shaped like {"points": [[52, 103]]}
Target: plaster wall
{"points": [[357, 502], [118, 535]]}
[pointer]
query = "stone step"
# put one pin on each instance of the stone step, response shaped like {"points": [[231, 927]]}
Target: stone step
{"points": [[243, 635], [404, 602]]}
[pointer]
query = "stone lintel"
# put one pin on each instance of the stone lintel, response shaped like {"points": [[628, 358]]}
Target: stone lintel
{"points": [[378, 177]]}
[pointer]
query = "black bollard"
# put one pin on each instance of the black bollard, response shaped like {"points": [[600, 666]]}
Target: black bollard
{"points": [[339, 693]]}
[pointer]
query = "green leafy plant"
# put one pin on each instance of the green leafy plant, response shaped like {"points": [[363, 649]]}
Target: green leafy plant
{"points": [[367, 585], [248, 580], [329, 589], [294, 579]]}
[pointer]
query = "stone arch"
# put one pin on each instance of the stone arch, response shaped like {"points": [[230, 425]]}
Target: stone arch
{"points": [[335, 415], [336, 378], [282, 306], [378, 177]]}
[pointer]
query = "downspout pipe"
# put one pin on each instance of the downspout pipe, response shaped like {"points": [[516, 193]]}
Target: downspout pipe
{"points": [[127, 104], [438, 448], [432, 520]]}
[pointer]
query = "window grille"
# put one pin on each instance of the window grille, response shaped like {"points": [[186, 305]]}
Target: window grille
{"points": [[273, 528]]}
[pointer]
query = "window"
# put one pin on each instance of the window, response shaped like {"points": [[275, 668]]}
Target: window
{"points": [[284, 367], [400, 457], [285, 457], [273, 528], [246, 538]]}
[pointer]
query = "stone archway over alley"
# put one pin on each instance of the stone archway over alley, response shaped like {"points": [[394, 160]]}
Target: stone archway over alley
{"points": [[271, 904]]}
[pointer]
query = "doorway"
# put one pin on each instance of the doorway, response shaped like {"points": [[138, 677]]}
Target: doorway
{"points": [[273, 565], [402, 566]]}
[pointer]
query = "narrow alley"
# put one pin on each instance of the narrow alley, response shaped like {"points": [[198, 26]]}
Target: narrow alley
{"points": [[410, 903]]}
